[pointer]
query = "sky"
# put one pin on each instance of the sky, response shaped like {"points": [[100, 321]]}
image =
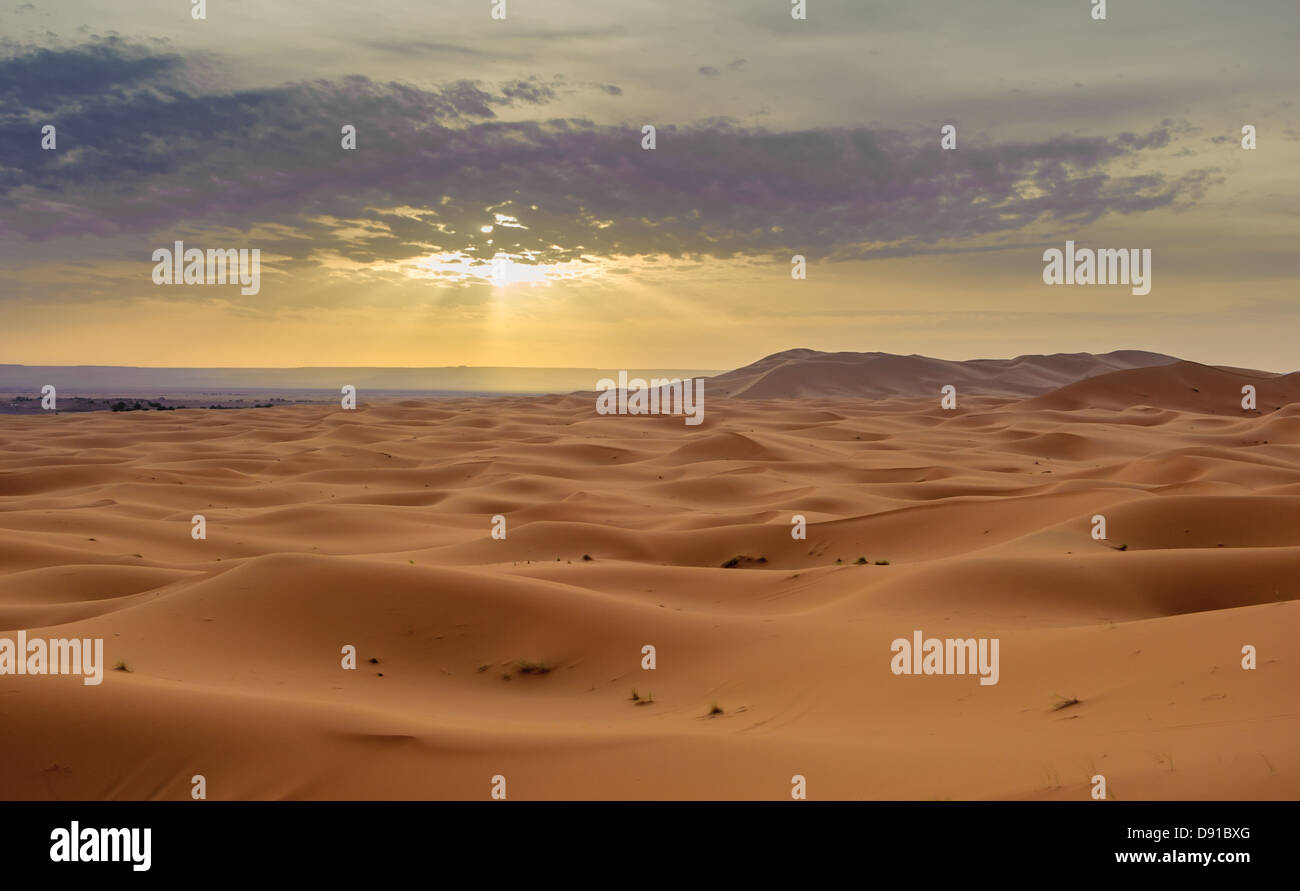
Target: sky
{"points": [[520, 141]]}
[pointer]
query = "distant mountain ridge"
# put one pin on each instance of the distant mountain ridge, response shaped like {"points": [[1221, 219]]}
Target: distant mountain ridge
{"points": [[805, 373]]}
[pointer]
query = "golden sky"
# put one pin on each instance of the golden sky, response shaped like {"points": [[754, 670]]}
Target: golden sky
{"points": [[521, 142]]}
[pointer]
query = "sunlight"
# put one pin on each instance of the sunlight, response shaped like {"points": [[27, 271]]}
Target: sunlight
{"points": [[503, 269]]}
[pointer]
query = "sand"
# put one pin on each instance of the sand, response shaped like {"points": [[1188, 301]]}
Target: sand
{"points": [[371, 528], [814, 374]]}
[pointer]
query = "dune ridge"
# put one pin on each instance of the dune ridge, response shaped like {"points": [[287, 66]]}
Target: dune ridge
{"points": [[803, 373]]}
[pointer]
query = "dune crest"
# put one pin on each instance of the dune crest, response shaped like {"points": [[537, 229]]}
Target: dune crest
{"points": [[803, 373]]}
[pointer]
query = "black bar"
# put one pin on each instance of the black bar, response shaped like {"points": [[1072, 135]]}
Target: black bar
{"points": [[609, 842]]}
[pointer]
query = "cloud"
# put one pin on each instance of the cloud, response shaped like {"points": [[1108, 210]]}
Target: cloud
{"points": [[141, 156], [529, 91], [48, 79]]}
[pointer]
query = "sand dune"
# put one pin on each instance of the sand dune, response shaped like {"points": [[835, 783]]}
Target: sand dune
{"points": [[795, 374], [1184, 386], [373, 528]]}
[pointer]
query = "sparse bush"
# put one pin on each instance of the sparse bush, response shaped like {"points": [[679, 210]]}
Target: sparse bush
{"points": [[1063, 702]]}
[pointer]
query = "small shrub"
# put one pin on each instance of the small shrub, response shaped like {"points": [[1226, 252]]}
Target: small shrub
{"points": [[1063, 702]]}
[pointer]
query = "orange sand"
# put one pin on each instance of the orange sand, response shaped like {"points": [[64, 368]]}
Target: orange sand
{"points": [[371, 528]]}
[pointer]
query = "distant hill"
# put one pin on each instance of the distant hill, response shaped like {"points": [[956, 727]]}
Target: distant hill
{"points": [[813, 374], [446, 380]]}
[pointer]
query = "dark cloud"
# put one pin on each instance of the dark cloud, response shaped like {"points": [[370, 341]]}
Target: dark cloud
{"points": [[140, 155], [44, 80], [709, 71], [529, 91]]}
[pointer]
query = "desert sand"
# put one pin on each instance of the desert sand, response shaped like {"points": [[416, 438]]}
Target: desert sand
{"points": [[371, 528]]}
